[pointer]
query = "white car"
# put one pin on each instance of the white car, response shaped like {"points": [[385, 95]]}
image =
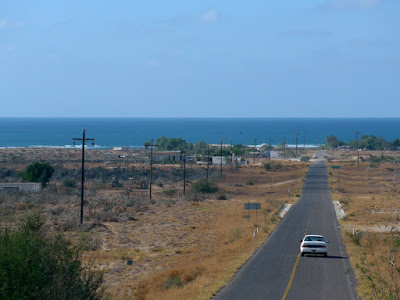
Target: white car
{"points": [[314, 244]]}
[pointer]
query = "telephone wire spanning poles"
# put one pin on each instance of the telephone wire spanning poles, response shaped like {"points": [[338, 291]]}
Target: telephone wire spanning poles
{"points": [[83, 139]]}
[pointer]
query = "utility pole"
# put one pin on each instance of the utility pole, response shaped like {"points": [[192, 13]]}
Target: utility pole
{"points": [[297, 141], [151, 165], [208, 160], [358, 152], [184, 174], [270, 149], [221, 156], [284, 147], [232, 157], [255, 148], [83, 139]]}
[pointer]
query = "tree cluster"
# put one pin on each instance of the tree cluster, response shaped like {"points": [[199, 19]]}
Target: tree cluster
{"points": [[367, 142]]}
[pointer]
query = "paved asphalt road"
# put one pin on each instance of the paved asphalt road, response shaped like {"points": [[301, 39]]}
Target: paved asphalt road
{"points": [[276, 271]]}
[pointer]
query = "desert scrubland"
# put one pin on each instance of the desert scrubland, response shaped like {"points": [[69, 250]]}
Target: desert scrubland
{"points": [[169, 247], [369, 194]]}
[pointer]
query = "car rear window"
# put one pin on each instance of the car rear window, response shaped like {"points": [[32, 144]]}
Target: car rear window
{"points": [[314, 239]]}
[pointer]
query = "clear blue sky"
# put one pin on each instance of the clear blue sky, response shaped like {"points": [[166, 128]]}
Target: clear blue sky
{"points": [[199, 58]]}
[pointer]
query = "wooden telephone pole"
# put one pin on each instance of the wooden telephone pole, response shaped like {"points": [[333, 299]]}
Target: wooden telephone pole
{"points": [[284, 147], [208, 160], [255, 148], [221, 153], [83, 139], [151, 165], [184, 174], [270, 149], [358, 152]]}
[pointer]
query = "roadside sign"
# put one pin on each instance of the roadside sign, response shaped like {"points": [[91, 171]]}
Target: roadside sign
{"points": [[252, 206]]}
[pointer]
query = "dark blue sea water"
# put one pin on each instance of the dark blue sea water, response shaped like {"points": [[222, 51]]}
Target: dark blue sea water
{"points": [[109, 132]]}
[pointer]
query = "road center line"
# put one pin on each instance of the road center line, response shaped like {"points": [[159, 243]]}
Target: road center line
{"points": [[294, 267], [291, 278]]}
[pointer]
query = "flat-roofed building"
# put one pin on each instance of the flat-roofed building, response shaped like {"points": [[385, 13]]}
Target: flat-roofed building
{"points": [[28, 187], [171, 156]]}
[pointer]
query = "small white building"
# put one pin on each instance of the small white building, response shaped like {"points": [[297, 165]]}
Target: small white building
{"points": [[237, 160], [28, 187], [123, 148], [216, 160], [274, 154]]}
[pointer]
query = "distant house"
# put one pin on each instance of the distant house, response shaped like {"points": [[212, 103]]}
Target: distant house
{"points": [[123, 148], [29, 187], [163, 156], [273, 154], [204, 160], [344, 147], [238, 160], [216, 160]]}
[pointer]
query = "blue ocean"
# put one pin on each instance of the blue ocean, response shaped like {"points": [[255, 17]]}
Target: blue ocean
{"points": [[133, 132]]}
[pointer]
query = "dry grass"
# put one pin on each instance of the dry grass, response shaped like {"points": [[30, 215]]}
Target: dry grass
{"points": [[179, 249], [189, 250], [369, 196]]}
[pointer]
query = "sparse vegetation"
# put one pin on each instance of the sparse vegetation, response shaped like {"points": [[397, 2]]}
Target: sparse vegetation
{"points": [[68, 182], [204, 186], [273, 167], [138, 243], [371, 228], [34, 264]]}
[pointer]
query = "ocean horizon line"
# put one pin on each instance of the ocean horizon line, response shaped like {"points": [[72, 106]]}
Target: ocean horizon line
{"points": [[202, 118], [113, 132]]}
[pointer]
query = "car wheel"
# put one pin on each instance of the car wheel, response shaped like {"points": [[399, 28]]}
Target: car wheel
{"points": [[325, 254], [302, 253]]}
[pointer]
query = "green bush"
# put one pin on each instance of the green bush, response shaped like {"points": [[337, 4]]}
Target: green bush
{"points": [[39, 172], [272, 167], [290, 154], [204, 186], [37, 265], [304, 158]]}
